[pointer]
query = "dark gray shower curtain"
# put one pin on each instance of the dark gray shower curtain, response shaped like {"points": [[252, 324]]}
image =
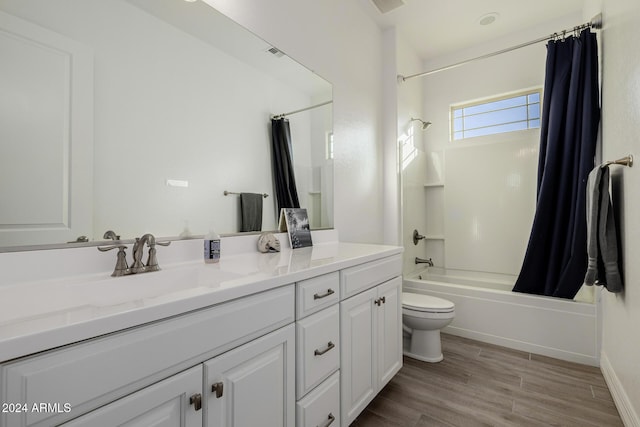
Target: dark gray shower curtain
{"points": [[556, 257], [282, 165]]}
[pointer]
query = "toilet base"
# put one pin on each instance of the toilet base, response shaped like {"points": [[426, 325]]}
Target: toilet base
{"points": [[425, 346], [423, 358]]}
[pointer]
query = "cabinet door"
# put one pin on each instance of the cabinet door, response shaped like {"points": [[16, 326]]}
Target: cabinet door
{"points": [[254, 384], [389, 315], [164, 404], [358, 358]]}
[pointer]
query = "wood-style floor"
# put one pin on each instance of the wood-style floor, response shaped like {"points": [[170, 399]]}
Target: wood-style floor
{"points": [[480, 384]]}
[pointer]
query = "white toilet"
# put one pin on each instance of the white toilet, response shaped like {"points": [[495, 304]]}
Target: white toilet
{"points": [[423, 316]]}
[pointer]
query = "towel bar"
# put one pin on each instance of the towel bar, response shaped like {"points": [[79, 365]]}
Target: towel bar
{"points": [[625, 161], [226, 193]]}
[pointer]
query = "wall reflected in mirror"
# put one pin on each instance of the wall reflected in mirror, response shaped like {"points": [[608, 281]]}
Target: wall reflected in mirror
{"points": [[137, 115]]}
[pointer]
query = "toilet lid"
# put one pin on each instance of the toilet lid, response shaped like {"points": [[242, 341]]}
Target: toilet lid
{"points": [[422, 302]]}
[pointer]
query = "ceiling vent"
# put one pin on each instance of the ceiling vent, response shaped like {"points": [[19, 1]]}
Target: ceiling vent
{"points": [[276, 52], [385, 6]]}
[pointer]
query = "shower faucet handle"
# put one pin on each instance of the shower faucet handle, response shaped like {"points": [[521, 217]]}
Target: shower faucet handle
{"points": [[417, 237]]}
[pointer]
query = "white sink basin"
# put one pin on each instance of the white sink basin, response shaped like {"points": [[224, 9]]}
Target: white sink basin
{"points": [[79, 298]]}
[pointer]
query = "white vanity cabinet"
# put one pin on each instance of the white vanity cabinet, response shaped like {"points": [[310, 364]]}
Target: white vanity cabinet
{"points": [[98, 372], [258, 375], [166, 403], [301, 346], [371, 332]]}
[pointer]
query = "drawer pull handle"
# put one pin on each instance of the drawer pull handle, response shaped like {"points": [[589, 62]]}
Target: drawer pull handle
{"points": [[330, 345], [330, 420], [326, 294], [196, 401], [218, 388]]}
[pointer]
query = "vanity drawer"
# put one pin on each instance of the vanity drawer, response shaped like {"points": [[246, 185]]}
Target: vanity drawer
{"points": [[317, 348], [90, 374], [314, 294], [321, 407], [354, 280]]}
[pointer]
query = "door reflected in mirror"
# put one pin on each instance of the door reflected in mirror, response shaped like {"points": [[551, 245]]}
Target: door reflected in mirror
{"points": [[136, 116]]}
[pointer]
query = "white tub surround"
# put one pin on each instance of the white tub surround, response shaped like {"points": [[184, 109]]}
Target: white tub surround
{"points": [[144, 345], [487, 310]]}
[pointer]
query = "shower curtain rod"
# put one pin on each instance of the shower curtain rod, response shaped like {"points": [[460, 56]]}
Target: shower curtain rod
{"points": [[596, 23], [283, 115]]}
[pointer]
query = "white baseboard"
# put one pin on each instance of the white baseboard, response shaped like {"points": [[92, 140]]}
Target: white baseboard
{"points": [[524, 346], [625, 408]]}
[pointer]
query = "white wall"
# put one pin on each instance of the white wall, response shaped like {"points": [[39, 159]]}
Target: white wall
{"points": [[485, 208], [621, 136], [338, 41]]}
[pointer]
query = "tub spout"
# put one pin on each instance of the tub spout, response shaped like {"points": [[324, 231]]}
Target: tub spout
{"points": [[429, 262]]}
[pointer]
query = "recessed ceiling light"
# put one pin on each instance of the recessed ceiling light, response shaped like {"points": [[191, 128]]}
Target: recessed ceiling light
{"points": [[488, 19]]}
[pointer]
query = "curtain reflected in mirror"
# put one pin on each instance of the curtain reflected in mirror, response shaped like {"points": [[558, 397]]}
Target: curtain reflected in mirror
{"points": [[282, 165]]}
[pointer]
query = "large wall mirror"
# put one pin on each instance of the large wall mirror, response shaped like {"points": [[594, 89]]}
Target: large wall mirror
{"points": [[137, 115]]}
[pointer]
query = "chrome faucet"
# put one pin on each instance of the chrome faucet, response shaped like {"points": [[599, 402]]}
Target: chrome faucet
{"points": [[110, 235], [429, 262], [122, 269], [138, 249]]}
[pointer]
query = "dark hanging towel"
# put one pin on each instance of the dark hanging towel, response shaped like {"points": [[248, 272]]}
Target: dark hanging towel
{"points": [[251, 211], [602, 234], [556, 259], [282, 165]]}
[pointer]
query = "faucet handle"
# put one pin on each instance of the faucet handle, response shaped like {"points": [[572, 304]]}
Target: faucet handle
{"points": [[108, 248], [152, 260], [121, 269], [417, 237]]}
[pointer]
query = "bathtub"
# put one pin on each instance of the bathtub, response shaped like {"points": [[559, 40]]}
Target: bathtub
{"points": [[487, 310]]}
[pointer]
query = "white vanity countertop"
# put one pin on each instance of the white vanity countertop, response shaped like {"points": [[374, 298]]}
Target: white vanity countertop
{"points": [[44, 314]]}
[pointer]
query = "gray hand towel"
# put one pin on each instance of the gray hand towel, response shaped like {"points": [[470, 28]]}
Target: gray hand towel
{"points": [[251, 211], [602, 240]]}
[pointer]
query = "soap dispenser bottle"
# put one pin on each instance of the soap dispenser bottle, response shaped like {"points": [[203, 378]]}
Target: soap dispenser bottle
{"points": [[211, 247]]}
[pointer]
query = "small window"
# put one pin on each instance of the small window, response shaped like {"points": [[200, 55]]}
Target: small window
{"points": [[496, 115], [329, 146]]}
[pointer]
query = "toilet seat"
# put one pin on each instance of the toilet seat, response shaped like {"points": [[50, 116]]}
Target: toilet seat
{"points": [[426, 303]]}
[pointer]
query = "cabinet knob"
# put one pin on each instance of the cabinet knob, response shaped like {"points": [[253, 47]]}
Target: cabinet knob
{"points": [[326, 294], [383, 299], [377, 302], [218, 389], [330, 420], [330, 345], [196, 401]]}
